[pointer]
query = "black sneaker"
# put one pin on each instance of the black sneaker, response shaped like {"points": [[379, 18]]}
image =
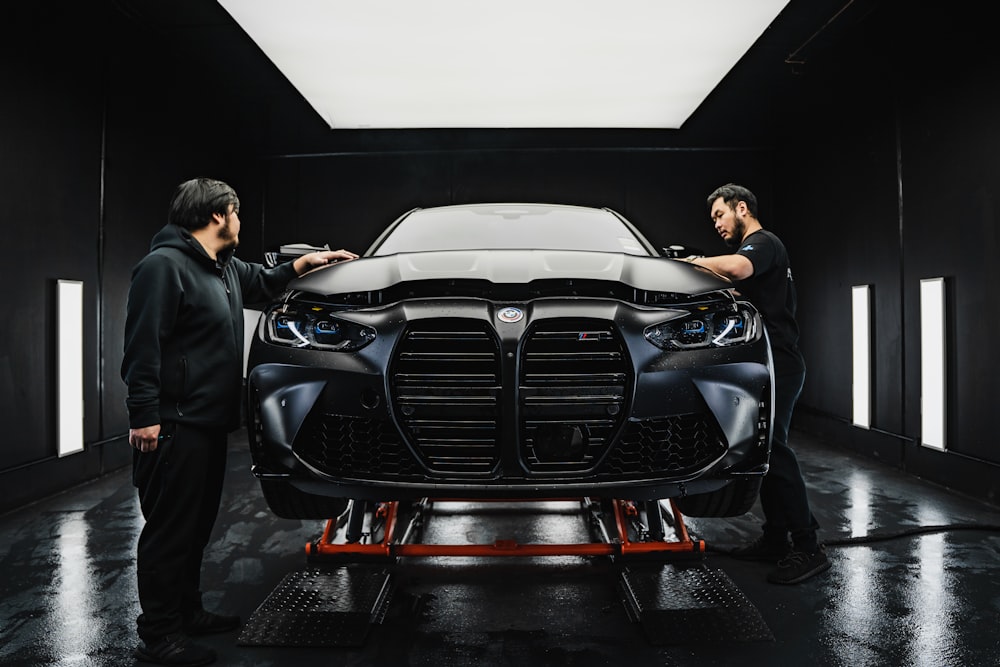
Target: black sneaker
{"points": [[799, 566], [175, 650], [762, 549], [204, 622]]}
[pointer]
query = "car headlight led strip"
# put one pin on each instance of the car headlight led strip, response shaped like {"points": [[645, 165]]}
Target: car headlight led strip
{"points": [[707, 325], [315, 327]]}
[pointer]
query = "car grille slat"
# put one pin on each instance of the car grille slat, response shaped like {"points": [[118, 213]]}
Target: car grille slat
{"points": [[571, 357], [453, 357], [431, 399], [445, 385], [609, 423], [445, 380], [576, 378]]}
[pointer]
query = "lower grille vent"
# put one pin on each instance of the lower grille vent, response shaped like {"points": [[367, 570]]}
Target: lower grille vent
{"points": [[354, 446], [675, 445]]}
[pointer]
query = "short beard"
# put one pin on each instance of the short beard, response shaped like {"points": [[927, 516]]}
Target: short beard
{"points": [[230, 240], [739, 231]]}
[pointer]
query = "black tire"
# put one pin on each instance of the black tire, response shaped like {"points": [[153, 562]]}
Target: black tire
{"points": [[289, 503], [733, 499]]}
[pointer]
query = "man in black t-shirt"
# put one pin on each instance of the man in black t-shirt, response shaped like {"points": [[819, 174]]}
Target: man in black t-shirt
{"points": [[760, 268]]}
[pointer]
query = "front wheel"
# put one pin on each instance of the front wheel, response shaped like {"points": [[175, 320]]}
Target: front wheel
{"points": [[290, 503], [733, 499]]}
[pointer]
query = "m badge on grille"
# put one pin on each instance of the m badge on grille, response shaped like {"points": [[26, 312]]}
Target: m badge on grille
{"points": [[510, 314]]}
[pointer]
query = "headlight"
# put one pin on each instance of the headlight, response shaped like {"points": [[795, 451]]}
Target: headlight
{"points": [[315, 327], [707, 325]]}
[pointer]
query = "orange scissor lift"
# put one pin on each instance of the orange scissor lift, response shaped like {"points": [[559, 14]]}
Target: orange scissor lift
{"points": [[335, 606], [633, 529]]}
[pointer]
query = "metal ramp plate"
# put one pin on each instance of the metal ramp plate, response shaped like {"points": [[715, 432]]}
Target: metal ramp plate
{"points": [[688, 604], [320, 606]]}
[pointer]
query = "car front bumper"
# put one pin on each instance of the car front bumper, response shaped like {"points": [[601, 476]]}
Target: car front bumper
{"points": [[572, 400]]}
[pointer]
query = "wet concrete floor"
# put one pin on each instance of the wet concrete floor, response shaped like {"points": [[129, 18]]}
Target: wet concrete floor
{"points": [[915, 581]]}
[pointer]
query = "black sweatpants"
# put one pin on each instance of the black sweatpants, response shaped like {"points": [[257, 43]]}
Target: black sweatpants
{"points": [[783, 497], [180, 486]]}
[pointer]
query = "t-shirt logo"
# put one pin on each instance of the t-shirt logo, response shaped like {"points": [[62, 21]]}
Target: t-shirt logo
{"points": [[748, 246]]}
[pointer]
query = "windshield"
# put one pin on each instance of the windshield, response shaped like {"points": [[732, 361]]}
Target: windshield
{"points": [[511, 226]]}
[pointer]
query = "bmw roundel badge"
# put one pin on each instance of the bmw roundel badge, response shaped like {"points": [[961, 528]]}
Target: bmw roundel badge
{"points": [[510, 314]]}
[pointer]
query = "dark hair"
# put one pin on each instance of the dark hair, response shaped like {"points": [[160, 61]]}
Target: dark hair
{"points": [[195, 201], [733, 194]]}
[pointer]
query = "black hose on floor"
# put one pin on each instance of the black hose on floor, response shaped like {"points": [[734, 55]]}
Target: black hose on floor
{"points": [[872, 538], [917, 530]]}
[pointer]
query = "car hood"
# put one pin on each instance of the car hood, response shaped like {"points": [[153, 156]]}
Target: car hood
{"points": [[510, 267]]}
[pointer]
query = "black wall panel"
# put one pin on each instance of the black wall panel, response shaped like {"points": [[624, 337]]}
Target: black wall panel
{"points": [[890, 162], [839, 216], [346, 199], [952, 174], [50, 170], [95, 135]]}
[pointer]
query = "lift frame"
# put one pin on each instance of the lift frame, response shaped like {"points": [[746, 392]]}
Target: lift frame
{"points": [[349, 543]]}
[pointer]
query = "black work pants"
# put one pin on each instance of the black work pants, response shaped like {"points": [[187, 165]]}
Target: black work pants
{"points": [[180, 486], [783, 496]]}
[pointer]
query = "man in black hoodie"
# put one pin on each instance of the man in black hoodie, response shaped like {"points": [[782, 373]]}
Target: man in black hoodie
{"points": [[183, 365]]}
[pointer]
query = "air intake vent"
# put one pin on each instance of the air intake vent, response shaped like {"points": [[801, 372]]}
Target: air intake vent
{"points": [[671, 446], [575, 376], [446, 395], [355, 447]]}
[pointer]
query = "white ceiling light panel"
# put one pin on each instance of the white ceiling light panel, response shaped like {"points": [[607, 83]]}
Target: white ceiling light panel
{"points": [[519, 63]]}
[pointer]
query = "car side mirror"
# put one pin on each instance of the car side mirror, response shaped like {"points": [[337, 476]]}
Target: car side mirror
{"points": [[678, 251]]}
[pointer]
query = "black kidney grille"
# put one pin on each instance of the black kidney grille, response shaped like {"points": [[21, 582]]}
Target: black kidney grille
{"points": [[668, 445], [445, 384], [574, 378], [355, 446]]}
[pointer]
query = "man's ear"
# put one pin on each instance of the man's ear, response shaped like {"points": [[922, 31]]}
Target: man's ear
{"points": [[219, 218]]}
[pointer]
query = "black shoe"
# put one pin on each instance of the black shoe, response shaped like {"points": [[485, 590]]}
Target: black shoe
{"points": [[762, 549], [799, 566], [204, 622], [175, 650]]}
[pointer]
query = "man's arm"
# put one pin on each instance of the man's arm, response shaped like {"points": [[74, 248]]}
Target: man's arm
{"points": [[312, 260], [735, 267], [259, 283], [150, 312]]}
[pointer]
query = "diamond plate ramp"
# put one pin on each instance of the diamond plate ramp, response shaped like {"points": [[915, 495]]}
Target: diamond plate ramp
{"points": [[683, 605], [332, 606]]}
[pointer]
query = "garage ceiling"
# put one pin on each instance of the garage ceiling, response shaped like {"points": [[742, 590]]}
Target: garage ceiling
{"points": [[516, 64]]}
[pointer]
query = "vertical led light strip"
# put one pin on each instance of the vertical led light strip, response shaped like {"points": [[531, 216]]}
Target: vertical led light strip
{"points": [[70, 364], [933, 394], [251, 318], [861, 326]]}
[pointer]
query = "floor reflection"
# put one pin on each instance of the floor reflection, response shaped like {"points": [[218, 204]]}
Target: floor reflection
{"points": [[858, 616], [857, 611], [859, 511], [935, 606], [75, 624], [895, 602], [68, 590]]}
